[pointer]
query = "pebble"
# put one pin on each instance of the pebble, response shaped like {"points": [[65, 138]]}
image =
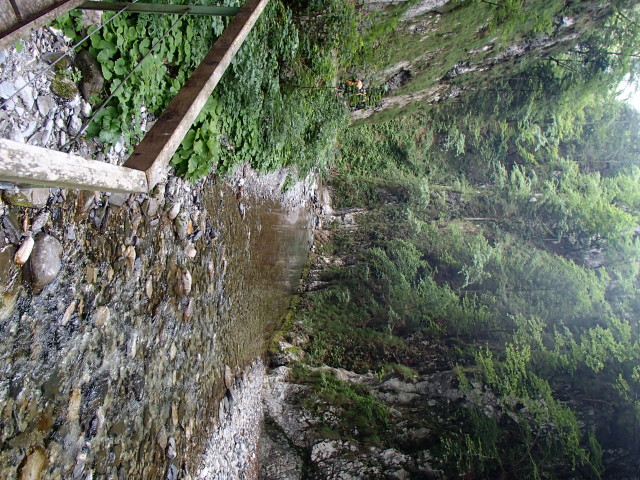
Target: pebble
{"points": [[101, 316], [171, 448], [174, 211], [7, 89], [40, 221], [30, 129], [24, 252], [184, 283], [75, 124], [181, 225], [10, 230], [25, 92], [45, 104], [191, 252], [85, 108], [188, 311]]}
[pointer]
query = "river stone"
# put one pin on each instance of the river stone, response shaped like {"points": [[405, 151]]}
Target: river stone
{"points": [[39, 221], [24, 252], [34, 464], [45, 260], [174, 210], [29, 197], [101, 316], [171, 448], [92, 80], [184, 283], [45, 104]]}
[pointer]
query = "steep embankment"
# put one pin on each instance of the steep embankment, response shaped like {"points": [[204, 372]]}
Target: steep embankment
{"points": [[441, 49]]}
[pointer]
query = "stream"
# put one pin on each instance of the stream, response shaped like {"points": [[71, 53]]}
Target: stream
{"points": [[115, 370]]}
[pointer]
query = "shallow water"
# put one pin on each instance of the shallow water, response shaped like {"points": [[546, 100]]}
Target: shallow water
{"points": [[90, 394]]}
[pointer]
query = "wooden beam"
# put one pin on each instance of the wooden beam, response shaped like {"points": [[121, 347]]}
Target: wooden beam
{"points": [[153, 154], [160, 8], [22, 27], [27, 164]]}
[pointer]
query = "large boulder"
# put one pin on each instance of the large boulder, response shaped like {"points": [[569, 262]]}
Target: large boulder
{"points": [[45, 260]]}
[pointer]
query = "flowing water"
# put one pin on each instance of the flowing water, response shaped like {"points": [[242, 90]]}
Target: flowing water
{"points": [[116, 360]]}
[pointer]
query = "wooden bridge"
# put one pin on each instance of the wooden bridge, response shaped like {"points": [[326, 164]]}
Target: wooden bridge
{"points": [[27, 164]]}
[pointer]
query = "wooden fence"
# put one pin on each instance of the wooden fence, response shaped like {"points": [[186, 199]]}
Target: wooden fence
{"points": [[27, 164]]}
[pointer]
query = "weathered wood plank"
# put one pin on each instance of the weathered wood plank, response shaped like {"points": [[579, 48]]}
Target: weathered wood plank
{"points": [[160, 8], [21, 163], [153, 154], [35, 14]]}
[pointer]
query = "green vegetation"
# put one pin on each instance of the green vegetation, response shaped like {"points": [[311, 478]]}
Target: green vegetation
{"points": [[262, 111], [496, 237], [502, 230]]}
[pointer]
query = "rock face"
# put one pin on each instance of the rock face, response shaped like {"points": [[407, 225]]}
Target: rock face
{"points": [[45, 261], [292, 445]]}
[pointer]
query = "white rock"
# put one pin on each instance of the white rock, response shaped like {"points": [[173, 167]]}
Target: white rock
{"points": [[24, 252], [25, 92], [7, 89]]}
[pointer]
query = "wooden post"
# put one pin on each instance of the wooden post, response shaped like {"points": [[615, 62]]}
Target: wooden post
{"points": [[31, 14], [160, 8], [21, 163], [153, 154]]}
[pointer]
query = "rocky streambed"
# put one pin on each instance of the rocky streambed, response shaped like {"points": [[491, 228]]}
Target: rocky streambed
{"points": [[132, 326], [114, 366]]}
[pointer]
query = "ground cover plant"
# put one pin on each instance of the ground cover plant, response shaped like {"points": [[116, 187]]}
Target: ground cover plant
{"points": [[263, 111]]}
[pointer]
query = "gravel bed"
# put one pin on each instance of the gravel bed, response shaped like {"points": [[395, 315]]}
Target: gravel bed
{"points": [[231, 451]]}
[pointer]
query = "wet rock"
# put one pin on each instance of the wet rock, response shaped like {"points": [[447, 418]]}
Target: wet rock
{"points": [[137, 387], [67, 313], [40, 221], [172, 473], [33, 465], [73, 410], [11, 230], [174, 210], [130, 256], [188, 311], [32, 197], [171, 448], [101, 316], [45, 261], [148, 288], [183, 286], [132, 345], [191, 252], [24, 252], [92, 79], [181, 225]]}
